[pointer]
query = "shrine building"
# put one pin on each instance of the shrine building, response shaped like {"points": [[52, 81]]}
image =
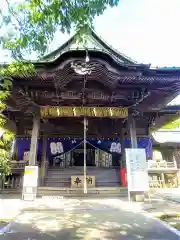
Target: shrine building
{"points": [[88, 97]]}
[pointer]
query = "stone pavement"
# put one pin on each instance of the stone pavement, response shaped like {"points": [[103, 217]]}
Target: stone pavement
{"points": [[87, 219], [170, 194], [9, 208], [159, 206]]}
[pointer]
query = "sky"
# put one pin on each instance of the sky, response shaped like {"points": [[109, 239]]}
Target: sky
{"points": [[146, 30]]}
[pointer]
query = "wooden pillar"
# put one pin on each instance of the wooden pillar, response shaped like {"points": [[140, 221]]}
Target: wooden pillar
{"points": [[34, 141], [123, 158], [44, 159], [163, 180], [132, 130], [44, 149]]}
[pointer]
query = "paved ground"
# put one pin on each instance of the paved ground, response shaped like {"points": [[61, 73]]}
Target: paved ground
{"points": [[161, 206], [171, 194], [86, 219]]}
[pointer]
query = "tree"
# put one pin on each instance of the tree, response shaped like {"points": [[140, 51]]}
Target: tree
{"points": [[6, 136], [33, 23], [171, 125], [29, 26]]}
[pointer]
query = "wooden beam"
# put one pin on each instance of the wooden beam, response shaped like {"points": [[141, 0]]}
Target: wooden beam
{"points": [[24, 103]]}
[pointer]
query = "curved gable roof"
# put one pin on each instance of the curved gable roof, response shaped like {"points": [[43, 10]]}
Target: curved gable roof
{"points": [[93, 42]]}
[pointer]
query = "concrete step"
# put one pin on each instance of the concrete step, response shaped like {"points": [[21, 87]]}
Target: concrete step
{"points": [[93, 189], [88, 195], [57, 184], [57, 180], [67, 184], [53, 182], [62, 177], [80, 170], [107, 184], [93, 193]]}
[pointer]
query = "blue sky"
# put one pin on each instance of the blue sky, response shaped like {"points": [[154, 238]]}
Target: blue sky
{"points": [[146, 30]]}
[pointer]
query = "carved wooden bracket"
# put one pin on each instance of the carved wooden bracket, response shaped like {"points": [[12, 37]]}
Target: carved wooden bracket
{"points": [[25, 103]]}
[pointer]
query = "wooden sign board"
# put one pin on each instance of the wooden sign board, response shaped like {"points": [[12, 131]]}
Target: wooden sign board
{"points": [[78, 181]]}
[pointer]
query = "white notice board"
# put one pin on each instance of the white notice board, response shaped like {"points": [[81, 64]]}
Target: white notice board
{"points": [[137, 170], [30, 176]]}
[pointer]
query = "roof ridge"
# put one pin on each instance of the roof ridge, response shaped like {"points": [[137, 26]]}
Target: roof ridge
{"points": [[97, 37], [47, 55], [114, 49]]}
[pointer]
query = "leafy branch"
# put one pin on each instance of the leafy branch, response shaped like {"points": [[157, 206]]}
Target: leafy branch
{"points": [[28, 27], [33, 23], [6, 137]]}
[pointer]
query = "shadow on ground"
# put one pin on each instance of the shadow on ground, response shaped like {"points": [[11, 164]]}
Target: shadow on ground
{"points": [[86, 219]]}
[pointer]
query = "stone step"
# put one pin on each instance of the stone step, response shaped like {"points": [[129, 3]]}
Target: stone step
{"points": [[98, 178], [66, 191], [104, 181], [99, 173], [57, 184], [88, 173], [82, 169], [72, 170], [88, 195], [65, 182], [107, 184], [78, 192], [62, 177], [78, 168], [93, 189], [58, 179]]}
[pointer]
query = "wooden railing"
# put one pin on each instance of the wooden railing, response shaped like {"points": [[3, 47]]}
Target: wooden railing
{"points": [[15, 180], [156, 183], [43, 172], [18, 164], [153, 164], [12, 182]]}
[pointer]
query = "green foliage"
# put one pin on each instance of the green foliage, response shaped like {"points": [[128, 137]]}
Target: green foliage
{"points": [[172, 125], [7, 137], [29, 26], [16, 68], [5, 152], [32, 24]]}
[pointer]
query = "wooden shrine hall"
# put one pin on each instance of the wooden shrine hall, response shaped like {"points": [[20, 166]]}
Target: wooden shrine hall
{"points": [[117, 100]]}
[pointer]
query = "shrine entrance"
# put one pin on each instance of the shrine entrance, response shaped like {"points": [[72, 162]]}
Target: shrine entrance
{"points": [[78, 155]]}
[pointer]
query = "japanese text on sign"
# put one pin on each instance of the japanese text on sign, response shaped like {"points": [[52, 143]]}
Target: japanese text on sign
{"points": [[78, 181], [137, 170]]}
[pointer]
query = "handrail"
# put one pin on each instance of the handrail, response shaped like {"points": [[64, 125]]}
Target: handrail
{"points": [[156, 183], [153, 164], [44, 169], [18, 164]]}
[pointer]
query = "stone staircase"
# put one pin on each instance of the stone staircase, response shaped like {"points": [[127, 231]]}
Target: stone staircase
{"points": [[105, 177], [98, 192], [58, 183]]}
